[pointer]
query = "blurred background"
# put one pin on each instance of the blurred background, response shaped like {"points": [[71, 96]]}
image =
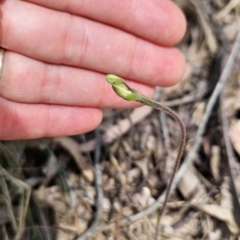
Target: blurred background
{"points": [[110, 183]]}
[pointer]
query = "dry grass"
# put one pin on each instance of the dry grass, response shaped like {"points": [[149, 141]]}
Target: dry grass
{"points": [[137, 156]]}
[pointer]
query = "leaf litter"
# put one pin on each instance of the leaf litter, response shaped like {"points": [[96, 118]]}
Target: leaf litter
{"points": [[138, 152]]}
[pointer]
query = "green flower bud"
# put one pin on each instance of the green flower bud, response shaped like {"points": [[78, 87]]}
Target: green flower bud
{"points": [[122, 89]]}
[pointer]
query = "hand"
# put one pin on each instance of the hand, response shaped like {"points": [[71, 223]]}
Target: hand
{"points": [[58, 53]]}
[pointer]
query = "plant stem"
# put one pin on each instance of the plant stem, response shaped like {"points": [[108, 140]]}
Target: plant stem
{"points": [[129, 94], [147, 101]]}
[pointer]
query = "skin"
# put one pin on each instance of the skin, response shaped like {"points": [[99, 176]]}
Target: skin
{"points": [[52, 81]]}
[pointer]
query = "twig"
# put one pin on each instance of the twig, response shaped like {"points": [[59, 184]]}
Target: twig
{"points": [[206, 25], [98, 185], [228, 8], [199, 136]]}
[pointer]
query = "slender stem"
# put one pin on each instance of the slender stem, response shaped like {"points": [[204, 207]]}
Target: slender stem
{"points": [[129, 94], [147, 101]]}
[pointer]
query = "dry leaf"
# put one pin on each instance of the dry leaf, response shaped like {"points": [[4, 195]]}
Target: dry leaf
{"points": [[144, 198], [214, 162], [190, 185], [221, 213], [143, 165]]}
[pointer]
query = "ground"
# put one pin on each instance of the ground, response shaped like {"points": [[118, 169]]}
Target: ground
{"points": [[105, 184]]}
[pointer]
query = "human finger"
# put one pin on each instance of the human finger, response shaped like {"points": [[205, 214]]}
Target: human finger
{"points": [[75, 41], [160, 21], [27, 121], [27, 80]]}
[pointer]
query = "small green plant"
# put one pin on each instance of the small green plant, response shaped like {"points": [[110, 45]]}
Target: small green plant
{"points": [[124, 91]]}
